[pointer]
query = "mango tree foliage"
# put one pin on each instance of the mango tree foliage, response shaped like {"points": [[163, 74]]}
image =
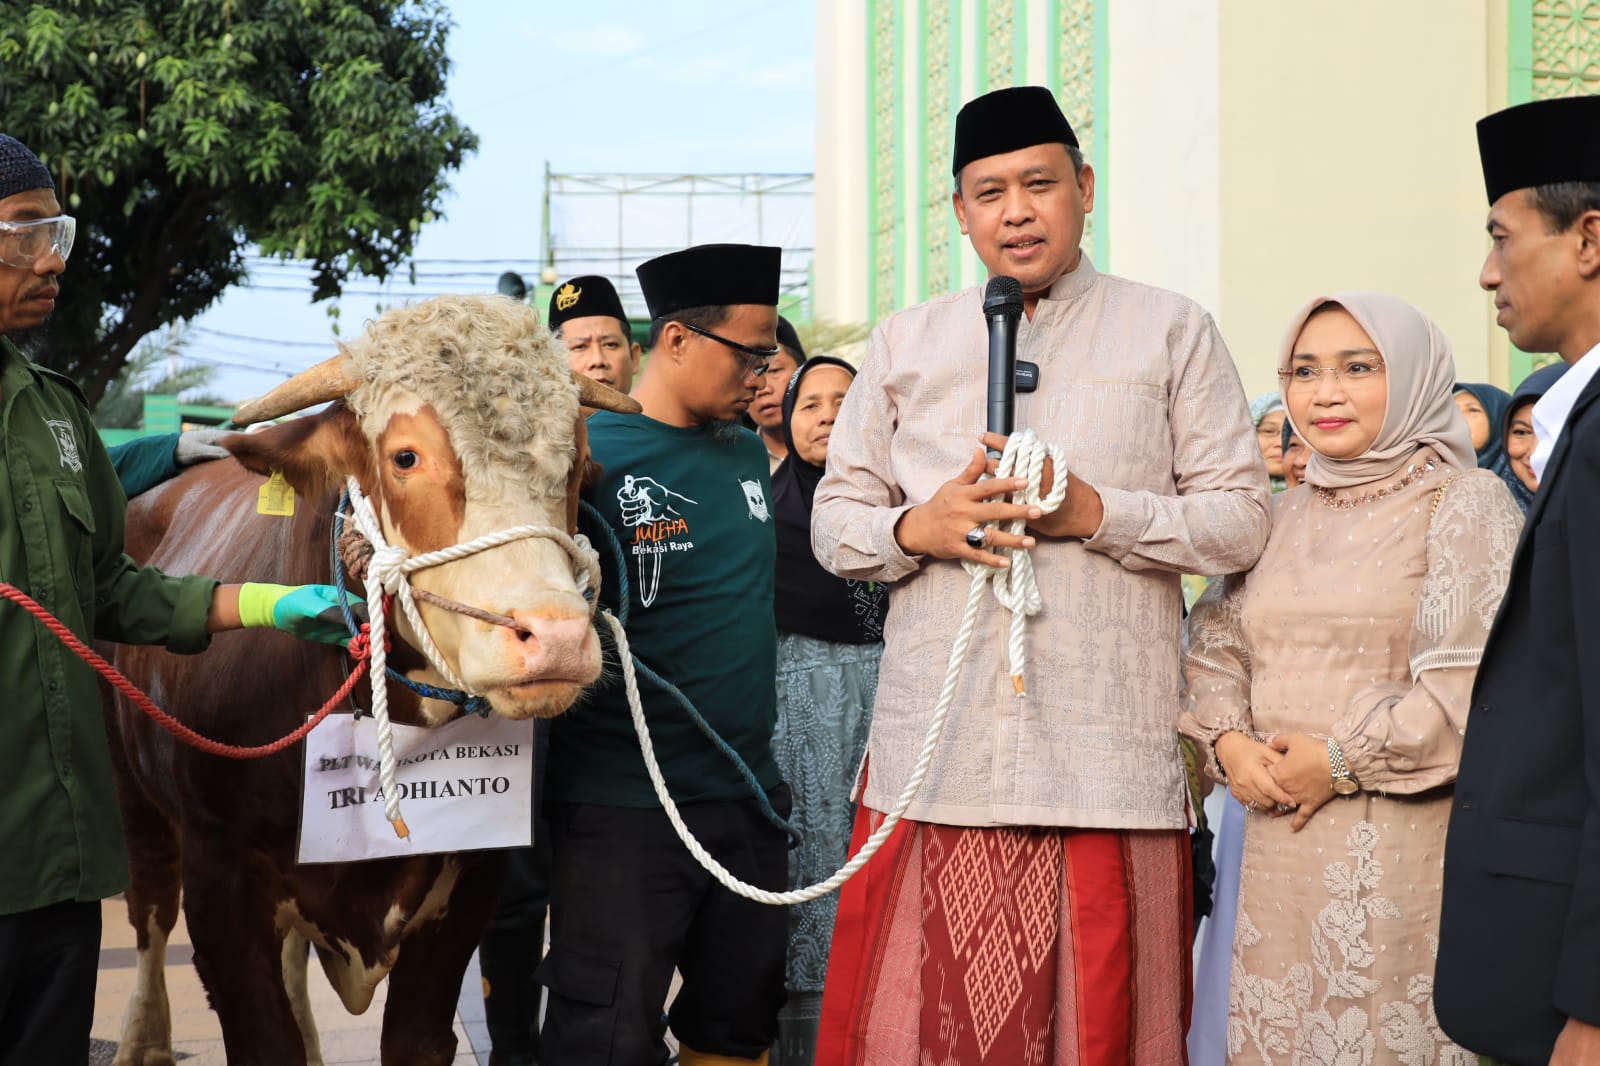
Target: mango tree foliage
{"points": [[181, 132]]}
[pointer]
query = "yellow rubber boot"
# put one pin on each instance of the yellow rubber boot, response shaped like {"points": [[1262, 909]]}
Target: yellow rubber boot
{"points": [[688, 1056]]}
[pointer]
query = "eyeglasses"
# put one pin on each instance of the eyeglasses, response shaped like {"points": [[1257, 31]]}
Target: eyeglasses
{"points": [[755, 359], [1356, 374], [22, 243]]}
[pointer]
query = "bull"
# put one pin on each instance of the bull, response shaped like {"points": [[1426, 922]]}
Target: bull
{"points": [[459, 418]]}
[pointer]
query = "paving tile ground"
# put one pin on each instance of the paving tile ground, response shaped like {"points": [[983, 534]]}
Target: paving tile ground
{"points": [[347, 1039]]}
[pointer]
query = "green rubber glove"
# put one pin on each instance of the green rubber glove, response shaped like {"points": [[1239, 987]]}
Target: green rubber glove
{"points": [[310, 612]]}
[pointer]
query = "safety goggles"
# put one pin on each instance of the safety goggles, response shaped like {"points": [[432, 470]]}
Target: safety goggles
{"points": [[22, 243]]}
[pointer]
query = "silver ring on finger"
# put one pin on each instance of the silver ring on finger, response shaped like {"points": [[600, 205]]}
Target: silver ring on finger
{"points": [[1285, 808], [977, 537], [1250, 807]]}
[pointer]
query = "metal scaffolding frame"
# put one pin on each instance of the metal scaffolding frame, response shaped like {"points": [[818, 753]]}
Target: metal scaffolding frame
{"points": [[616, 261]]}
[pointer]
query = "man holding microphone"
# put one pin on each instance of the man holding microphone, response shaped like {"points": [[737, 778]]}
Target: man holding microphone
{"points": [[1037, 895]]}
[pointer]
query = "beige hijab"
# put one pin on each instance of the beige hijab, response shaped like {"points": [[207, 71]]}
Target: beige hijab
{"points": [[1420, 376]]}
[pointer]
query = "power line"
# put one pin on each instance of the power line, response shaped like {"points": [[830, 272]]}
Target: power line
{"points": [[259, 340], [276, 371], [272, 260], [404, 293], [255, 359], [298, 271]]}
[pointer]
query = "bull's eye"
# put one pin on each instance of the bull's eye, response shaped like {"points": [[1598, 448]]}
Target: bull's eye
{"points": [[405, 460]]}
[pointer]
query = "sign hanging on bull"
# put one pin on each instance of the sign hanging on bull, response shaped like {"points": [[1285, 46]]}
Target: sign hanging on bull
{"points": [[468, 785]]}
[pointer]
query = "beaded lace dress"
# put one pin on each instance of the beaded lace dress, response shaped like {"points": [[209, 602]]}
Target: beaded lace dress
{"points": [[1365, 624]]}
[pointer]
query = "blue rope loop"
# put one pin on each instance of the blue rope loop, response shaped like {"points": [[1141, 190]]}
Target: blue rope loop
{"points": [[677, 695], [470, 704]]}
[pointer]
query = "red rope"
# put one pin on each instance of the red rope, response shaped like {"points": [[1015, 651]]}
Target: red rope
{"points": [[359, 648]]}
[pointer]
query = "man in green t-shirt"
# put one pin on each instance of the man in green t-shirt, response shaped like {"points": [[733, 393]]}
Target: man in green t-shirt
{"points": [[61, 525], [685, 492], [586, 315]]}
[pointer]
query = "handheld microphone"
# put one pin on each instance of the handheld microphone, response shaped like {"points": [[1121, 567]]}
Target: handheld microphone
{"points": [[1002, 306]]}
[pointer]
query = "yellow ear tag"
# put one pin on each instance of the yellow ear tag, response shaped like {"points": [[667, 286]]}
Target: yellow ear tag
{"points": [[276, 496]]}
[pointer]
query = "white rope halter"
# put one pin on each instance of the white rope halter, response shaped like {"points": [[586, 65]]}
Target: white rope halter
{"points": [[1015, 589], [389, 572]]}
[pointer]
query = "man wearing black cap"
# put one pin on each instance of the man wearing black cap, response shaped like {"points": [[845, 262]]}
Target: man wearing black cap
{"points": [[1034, 906], [1519, 937], [61, 526], [685, 493], [586, 315]]}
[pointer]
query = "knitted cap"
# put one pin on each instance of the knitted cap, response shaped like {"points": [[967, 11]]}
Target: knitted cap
{"points": [[20, 169]]}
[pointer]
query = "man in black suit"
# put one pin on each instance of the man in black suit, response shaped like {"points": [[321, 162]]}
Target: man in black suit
{"points": [[1519, 953]]}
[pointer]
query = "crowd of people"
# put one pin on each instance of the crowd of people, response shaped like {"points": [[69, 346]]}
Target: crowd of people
{"points": [[1378, 559]]}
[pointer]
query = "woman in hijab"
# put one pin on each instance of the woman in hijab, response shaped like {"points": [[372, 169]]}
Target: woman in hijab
{"points": [[830, 639], [1485, 407], [1519, 435], [1266, 411], [1333, 681]]}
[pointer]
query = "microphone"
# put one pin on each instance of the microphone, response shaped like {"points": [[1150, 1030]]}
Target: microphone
{"points": [[1002, 306]]}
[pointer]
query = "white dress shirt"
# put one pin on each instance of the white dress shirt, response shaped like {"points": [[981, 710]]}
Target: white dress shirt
{"points": [[1550, 413]]}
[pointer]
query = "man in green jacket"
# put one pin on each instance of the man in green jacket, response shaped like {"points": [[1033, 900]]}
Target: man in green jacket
{"points": [[61, 527]]}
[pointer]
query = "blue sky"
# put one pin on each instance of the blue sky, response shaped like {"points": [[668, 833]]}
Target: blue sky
{"points": [[693, 87]]}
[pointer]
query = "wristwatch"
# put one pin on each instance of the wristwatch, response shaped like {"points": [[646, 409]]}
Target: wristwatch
{"points": [[1343, 782]]}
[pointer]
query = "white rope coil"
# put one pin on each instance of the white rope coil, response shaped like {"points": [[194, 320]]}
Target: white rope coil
{"points": [[1024, 455], [1015, 587], [388, 572]]}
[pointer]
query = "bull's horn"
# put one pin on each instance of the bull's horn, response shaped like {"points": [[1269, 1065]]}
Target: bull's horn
{"points": [[328, 380], [600, 397]]}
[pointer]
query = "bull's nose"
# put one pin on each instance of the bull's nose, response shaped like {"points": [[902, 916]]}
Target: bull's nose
{"points": [[556, 648]]}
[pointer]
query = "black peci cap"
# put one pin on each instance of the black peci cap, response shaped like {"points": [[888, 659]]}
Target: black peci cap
{"points": [[1007, 120], [584, 297], [711, 275], [790, 339], [1542, 143]]}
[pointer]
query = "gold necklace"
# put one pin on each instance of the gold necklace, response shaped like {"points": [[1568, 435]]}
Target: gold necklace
{"points": [[1413, 473]]}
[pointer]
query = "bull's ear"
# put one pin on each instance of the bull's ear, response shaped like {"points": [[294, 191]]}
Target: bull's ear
{"points": [[314, 453], [598, 397]]}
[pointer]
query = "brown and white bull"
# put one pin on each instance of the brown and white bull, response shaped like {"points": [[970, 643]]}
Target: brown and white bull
{"points": [[459, 417]]}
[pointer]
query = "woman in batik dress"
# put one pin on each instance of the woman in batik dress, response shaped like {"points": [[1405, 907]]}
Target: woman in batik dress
{"points": [[1331, 685]]}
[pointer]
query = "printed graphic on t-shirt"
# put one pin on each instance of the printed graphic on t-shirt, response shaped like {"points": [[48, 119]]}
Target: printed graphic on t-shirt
{"points": [[650, 509], [66, 443], [866, 597], [755, 498]]}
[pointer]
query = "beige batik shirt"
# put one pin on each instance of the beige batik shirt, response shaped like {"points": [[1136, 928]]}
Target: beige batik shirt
{"points": [[1138, 388]]}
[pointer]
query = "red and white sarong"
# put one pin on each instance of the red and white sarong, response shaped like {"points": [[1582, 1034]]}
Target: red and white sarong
{"points": [[1041, 946]]}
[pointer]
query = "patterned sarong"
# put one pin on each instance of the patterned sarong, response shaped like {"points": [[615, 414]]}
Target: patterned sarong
{"points": [[1037, 946]]}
